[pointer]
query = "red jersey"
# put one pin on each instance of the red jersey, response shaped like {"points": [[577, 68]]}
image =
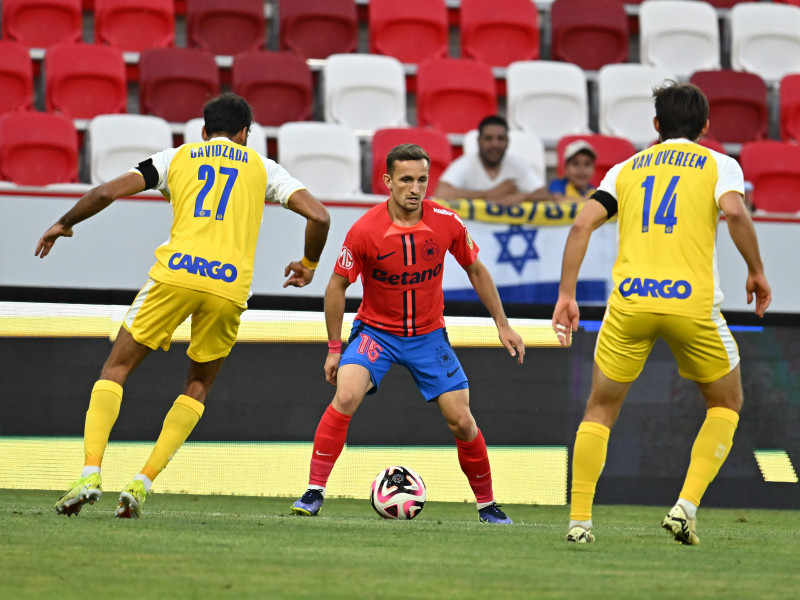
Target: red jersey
{"points": [[401, 267]]}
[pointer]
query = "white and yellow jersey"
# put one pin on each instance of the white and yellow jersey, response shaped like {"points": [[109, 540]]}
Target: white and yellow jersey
{"points": [[217, 190], [668, 204]]}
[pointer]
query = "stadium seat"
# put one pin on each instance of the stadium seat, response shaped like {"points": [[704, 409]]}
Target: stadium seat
{"points": [[712, 144], [42, 23], [326, 157], [364, 91], [500, 32], [278, 85], [453, 95], [547, 98], [227, 27], [521, 143], [134, 25], [16, 77], [625, 100], [318, 28], [38, 148], [681, 36], [789, 108], [412, 31], [610, 151], [118, 143], [738, 108], [589, 33], [175, 83], [193, 133], [434, 142], [765, 39], [85, 80], [772, 169]]}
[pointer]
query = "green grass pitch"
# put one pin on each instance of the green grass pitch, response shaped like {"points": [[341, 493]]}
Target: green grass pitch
{"points": [[243, 547]]}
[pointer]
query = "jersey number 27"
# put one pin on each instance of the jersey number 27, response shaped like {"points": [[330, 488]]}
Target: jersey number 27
{"points": [[206, 173]]}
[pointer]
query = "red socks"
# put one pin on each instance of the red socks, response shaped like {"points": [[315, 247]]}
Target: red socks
{"points": [[328, 444], [474, 461]]}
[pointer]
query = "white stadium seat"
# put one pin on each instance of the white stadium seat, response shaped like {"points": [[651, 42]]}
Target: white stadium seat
{"points": [[625, 100], [679, 35], [326, 157], [364, 91], [765, 39], [120, 142], [547, 98]]}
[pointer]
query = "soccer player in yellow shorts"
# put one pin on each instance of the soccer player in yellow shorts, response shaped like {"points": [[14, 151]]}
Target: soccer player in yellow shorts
{"points": [[217, 189], [668, 198]]}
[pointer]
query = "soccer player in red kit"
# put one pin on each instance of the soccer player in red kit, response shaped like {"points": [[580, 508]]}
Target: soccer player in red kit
{"points": [[398, 249]]}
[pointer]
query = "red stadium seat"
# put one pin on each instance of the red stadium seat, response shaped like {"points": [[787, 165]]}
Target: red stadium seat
{"points": [[412, 31], [134, 25], [453, 95], [737, 105], [589, 33], [318, 28], [434, 142], [278, 85], [610, 151], [772, 168], [38, 148], [85, 80], [175, 83], [227, 27], [42, 23], [16, 77], [712, 144], [498, 33], [790, 108]]}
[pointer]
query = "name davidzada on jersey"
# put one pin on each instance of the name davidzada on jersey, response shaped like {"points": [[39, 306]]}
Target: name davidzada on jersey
{"points": [[200, 266], [223, 150]]}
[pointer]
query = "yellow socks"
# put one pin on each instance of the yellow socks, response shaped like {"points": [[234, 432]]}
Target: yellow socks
{"points": [[178, 424], [711, 448], [588, 459], [100, 418]]}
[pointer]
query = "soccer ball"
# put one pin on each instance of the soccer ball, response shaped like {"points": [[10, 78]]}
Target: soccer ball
{"points": [[397, 493]]}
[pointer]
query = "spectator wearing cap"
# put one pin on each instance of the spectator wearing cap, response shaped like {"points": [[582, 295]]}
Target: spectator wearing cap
{"points": [[579, 157], [492, 173]]}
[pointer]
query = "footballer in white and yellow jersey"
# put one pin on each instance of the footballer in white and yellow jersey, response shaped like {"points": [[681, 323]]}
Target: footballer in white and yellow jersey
{"points": [[667, 199], [217, 190]]}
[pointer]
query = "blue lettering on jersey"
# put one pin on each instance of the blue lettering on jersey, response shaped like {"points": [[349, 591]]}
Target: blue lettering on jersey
{"points": [[223, 150], [677, 158], [680, 289], [406, 278], [200, 266], [642, 160]]}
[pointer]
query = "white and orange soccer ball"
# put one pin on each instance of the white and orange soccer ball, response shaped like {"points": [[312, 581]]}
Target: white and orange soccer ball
{"points": [[397, 493]]}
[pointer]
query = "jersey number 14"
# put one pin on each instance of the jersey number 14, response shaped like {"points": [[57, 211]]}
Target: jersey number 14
{"points": [[665, 213]]}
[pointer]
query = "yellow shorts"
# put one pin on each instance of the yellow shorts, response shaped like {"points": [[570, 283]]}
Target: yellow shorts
{"points": [[704, 348], [159, 308]]}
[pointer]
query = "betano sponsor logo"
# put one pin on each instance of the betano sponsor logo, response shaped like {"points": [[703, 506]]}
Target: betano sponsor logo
{"points": [[406, 277], [200, 266], [680, 289]]}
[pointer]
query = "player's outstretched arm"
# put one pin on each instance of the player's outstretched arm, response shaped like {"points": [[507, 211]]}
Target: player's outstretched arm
{"points": [[566, 314], [484, 286], [334, 313], [91, 203], [318, 221], [743, 234]]}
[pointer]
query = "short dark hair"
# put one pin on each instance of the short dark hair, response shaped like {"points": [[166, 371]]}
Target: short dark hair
{"points": [[405, 152], [227, 113], [681, 110], [492, 120]]}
